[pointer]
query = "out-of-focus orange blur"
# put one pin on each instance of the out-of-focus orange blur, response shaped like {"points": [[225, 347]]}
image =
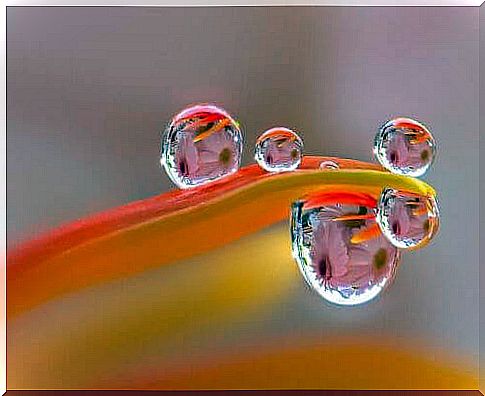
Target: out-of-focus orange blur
{"points": [[206, 322]]}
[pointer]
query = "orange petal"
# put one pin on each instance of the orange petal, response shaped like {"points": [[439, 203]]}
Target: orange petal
{"points": [[322, 198], [371, 232], [176, 225], [369, 216], [217, 127]]}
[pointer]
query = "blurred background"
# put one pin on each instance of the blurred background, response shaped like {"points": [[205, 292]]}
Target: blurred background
{"points": [[90, 89]]}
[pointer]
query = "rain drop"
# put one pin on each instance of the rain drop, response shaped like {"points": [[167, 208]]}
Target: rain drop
{"points": [[408, 220], [405, 147], [340, 250], [329, 165], [201, 144], [279, 150]]}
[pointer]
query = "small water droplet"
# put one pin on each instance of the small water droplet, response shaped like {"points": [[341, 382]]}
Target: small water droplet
{"points": [[278, 150], [341, 252], [329, 165], [405, 146], [407, 220], [201, 144]]}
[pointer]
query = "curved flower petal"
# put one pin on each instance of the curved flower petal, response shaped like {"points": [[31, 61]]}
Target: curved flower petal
{"points": [[175, 225]]}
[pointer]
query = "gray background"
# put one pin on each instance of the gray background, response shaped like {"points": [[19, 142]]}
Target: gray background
{"points": [[89, 89], [482, 191]]}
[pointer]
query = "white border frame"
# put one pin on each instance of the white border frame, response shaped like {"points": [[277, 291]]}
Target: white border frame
{"points": [[144, 3], [279, 3], [3, 199]]}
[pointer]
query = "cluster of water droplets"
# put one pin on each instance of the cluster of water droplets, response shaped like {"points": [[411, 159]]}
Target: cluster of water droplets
{"points": [[347, 251], [349, 254]]}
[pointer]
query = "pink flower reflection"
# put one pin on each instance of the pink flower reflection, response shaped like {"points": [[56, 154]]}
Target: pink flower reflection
{"points": [[282, 152], [210, 157], [409, 218], [217, 153], [186, 157], [340, 264], [372, 261], [403, 153]]}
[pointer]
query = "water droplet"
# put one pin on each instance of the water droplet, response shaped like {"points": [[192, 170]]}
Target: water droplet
{"points": [[329, 165], [201, 144], [405, 146], [341, 252], [278, 150], [407, 220]]}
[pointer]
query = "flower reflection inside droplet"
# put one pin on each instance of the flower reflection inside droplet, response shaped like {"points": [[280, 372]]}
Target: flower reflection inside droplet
{"points": [[341, 251]]}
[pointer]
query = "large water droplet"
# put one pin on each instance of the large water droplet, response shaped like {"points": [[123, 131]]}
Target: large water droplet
{"points": [[405, 146], [278, 150], [201, 144], [341, 251], [407, 220]]}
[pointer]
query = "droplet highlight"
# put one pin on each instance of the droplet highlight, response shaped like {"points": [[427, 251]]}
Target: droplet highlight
{"points": [[329, 165], [409, 221], [279, 150], [201, 144], [405, 146], [340, 250]]}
